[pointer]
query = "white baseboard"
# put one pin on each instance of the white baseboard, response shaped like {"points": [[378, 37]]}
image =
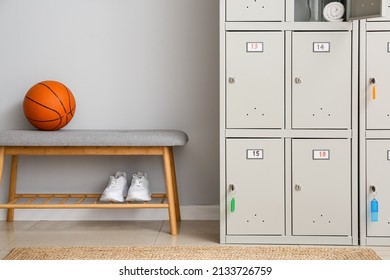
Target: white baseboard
{"points": [[188, 212]]}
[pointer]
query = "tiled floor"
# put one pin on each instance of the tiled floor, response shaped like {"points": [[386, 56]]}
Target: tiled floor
{"points": [[118, 233]]}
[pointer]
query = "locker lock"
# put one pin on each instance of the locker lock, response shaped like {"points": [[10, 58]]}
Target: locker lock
{"points": [[232, 187], [232, 80], [298, 80], [373, 189], [298, 187]]}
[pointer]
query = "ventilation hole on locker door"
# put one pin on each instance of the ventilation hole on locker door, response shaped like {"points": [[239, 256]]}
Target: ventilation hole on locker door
{"points": [[314, 115], [247, 7], [329, 222], [321, 109], [262, 115], [263, 221], [314, 222], [247, 221], [328, 115], [255, 215], [247, 114], [322, 215], [262, 7]]}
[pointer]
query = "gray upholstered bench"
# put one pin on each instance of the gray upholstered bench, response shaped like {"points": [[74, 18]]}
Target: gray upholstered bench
{"points": [[91, 142]]}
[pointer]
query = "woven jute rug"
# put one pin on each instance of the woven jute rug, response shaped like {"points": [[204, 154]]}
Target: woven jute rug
{"points": [[191, 253]]}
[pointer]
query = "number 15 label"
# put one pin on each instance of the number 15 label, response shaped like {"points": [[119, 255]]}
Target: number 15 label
{"points": [[254, 154]]}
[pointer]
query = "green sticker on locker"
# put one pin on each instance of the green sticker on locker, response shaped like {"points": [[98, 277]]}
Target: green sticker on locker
{"points": [[232, 205]]}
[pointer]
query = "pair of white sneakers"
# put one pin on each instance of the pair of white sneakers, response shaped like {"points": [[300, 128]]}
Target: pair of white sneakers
{"points": [[117, 189]]}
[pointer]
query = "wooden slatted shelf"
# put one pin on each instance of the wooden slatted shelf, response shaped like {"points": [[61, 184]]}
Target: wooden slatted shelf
{"points": [[42, 201]]}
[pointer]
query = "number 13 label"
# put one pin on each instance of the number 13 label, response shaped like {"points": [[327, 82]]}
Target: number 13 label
{"points": [[254, 154], [254, 46]]}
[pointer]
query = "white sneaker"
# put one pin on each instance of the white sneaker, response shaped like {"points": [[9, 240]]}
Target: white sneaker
{"points": [[139, 188], [116, 189]]}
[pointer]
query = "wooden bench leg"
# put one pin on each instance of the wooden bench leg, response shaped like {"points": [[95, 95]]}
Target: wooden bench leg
{"points": [[170, 190], [12, 186], [175, 191], [1, 162]]}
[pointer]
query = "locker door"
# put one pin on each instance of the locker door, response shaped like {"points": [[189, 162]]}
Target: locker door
{"points": [[321, 187], [254, 10], [255, 79], [255, 179], [321, 90], [362, 9], [386, 12], [378, 175], [378, 67]]}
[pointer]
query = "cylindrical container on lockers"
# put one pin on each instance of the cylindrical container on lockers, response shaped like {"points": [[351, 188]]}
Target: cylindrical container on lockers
{"points": [[315, 10]]}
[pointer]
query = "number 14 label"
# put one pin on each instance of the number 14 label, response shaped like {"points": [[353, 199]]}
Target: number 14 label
{"points": [[321, 47]]}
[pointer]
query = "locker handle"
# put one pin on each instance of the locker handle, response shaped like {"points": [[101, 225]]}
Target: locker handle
{"points": [[373, 88]]}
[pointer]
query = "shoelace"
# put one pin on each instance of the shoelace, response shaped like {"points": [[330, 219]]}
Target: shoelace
{"points": [[114, 183], [138, 182]]}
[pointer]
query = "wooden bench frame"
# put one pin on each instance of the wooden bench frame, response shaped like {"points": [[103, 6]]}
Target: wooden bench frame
{"points": [[171, 195]]}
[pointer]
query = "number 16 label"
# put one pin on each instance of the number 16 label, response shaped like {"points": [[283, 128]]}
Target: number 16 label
{"points": [[254, 154], [321, 154]]}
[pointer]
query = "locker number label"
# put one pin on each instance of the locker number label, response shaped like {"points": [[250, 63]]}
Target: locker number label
{"points": [[254, 47], [254, 154], [321, 154], [320, 47]]}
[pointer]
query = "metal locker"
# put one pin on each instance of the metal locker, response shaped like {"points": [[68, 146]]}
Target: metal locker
{"points": [[378, 186], [377, 80], [254, 10], [321, 187], [255, 79], [255, 186], [321, 71]]}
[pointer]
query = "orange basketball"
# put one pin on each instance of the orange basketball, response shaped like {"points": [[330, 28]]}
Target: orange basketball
{"points": [[49, 105]]}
